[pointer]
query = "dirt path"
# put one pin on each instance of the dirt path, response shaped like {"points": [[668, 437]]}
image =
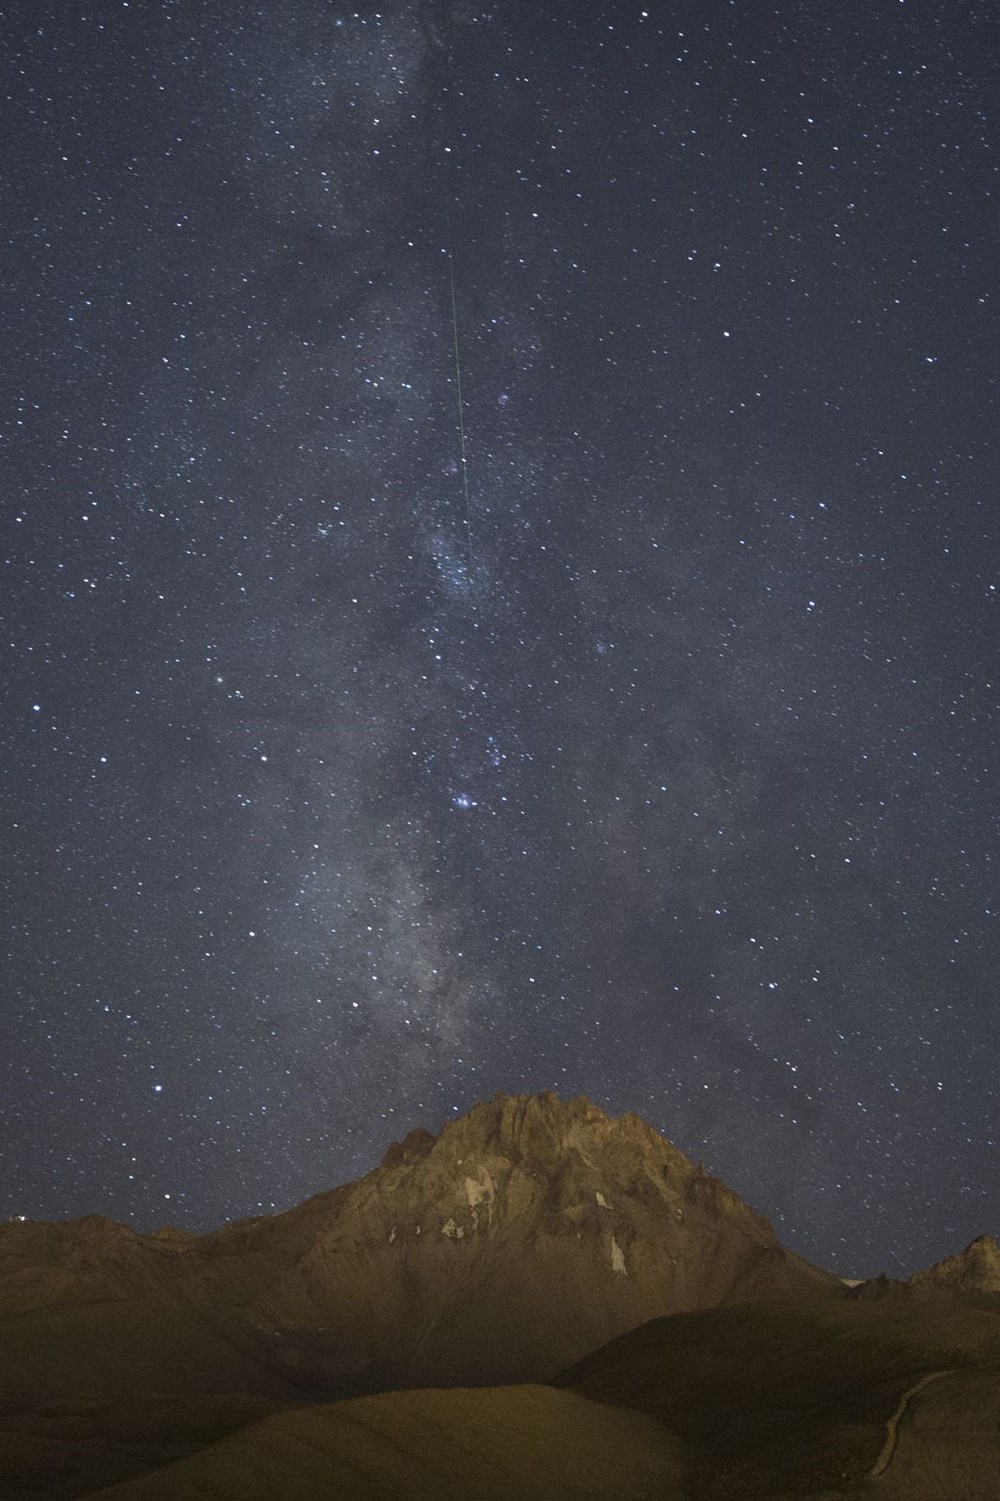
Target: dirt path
{"points": [[892, 1426]]}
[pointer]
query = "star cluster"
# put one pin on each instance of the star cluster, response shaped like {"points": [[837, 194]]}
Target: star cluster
{"points": [[500, 571]]}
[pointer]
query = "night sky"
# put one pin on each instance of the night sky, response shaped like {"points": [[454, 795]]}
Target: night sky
{"points": [[649, 754]]}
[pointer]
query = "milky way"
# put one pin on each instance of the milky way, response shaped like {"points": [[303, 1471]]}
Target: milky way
{"points": [[664, 771]]}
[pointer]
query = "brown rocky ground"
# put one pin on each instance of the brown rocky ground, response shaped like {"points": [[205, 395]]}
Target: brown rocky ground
{"points": [[531, 1236]]}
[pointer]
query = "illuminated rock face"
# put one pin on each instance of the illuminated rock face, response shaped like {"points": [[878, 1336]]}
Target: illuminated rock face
{"points": [[526, 1234]]}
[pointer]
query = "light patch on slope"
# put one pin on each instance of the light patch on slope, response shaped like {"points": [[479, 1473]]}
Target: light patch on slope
{"points": [[480, 1191], [618, 1258]]}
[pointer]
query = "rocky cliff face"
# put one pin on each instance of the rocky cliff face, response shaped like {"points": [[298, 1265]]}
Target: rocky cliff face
{"points": [[524, 1235]]}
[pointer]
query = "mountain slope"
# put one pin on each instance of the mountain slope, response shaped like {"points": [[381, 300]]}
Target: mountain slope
{"points": [[818, 1400]]}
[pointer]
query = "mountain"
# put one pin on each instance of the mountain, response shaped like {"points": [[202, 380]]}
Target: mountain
{"points": [[524, 1235], [283, 1356], [971, 1277], [976, 1270]]}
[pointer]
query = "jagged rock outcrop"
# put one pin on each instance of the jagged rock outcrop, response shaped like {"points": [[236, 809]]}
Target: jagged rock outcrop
{"points": [[972, 1275], [522, 1236], [974, 1270]]}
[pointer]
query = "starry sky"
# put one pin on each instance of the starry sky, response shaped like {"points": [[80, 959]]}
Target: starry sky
{"points": [[500, 592]]}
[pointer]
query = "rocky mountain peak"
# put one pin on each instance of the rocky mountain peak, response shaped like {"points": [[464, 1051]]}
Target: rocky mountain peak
{"points": [[414, 1146], [541, 1132], [530, 1224], [976, 1269], [525, 1126]]}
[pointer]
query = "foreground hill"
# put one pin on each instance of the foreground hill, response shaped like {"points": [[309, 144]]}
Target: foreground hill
{"points": [[896, 1395], [893, 1397], [514, 1443]]}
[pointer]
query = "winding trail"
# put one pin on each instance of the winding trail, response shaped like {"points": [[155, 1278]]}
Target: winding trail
{"points": [[888, 1450]]}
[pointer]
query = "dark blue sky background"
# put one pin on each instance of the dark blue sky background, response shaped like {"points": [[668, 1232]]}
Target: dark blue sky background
{"points": [[664, 771]]}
